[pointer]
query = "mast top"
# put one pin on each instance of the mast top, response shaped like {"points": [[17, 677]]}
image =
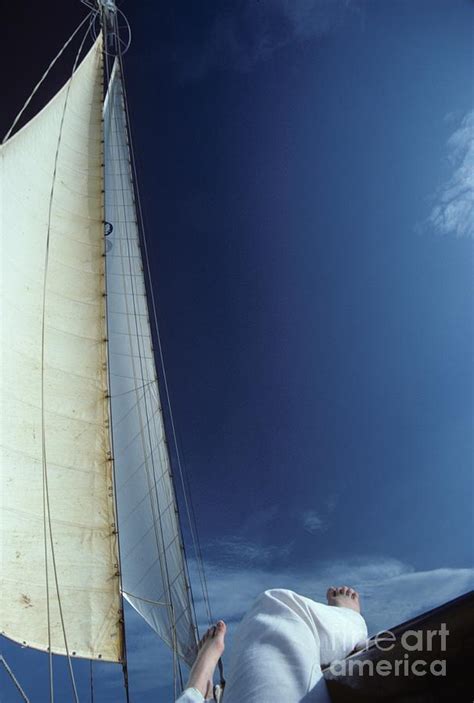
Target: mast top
{"points": [[112, 21], [107, 6]]}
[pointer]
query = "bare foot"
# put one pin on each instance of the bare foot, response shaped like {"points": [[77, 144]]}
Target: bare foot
{"points": [[343, 597], [210, 650]]}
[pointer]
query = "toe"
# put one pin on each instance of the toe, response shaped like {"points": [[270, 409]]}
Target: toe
{"points": [[221, 629], [331, 591], [207, 634], [342, 590]]}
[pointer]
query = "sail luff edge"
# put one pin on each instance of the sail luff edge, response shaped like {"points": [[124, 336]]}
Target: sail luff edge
{"points": [[108, 399]]}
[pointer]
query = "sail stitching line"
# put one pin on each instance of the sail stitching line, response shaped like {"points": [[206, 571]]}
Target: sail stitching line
{"points": [[135, 508], [153, 449], [132, 407], [138, 433], [145, 600], [47, 522], [145, 534]]}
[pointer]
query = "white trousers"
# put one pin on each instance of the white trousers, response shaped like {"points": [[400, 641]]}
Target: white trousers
{"points": [[279, 648]]}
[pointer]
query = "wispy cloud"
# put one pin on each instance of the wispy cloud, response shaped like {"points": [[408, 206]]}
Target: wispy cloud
{"points": [[245, 33], [249, 545], [313, 523], [331, 503], [260, 519], [454, 209], [231, 550], [317, 521]]}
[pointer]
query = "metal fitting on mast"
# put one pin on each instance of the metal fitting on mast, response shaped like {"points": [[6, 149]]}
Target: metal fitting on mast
{"points": [[106, 16], [114, 25], [108, 11]]}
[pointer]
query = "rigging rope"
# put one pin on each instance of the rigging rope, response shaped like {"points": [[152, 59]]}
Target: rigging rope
{"points": [[89, 17], [14, 679], [47, 522], [91, 675]]}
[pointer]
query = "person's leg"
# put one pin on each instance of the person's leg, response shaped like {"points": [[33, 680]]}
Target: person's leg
{"points": [[281, 643], [200, 682]]}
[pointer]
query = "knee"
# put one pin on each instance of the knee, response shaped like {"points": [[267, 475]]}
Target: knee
{"points": [[273, 596], [270, 594]]}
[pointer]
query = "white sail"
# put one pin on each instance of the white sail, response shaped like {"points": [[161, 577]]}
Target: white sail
{"points": [[154, 575], [62, 426]]}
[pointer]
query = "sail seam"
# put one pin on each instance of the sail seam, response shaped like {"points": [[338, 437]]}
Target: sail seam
{"points": [[145, 600]]}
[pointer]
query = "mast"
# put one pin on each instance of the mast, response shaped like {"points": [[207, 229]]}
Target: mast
{"points": [[107, 10]]}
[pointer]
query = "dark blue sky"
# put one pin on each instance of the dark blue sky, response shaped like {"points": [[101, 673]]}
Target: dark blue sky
{"points": [[306, 180]]}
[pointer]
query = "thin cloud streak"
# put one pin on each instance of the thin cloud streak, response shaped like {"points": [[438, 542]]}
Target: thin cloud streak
{"points": [[454, 211], [243, 35], [318, 521], [232, 550], [313, 523]]}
